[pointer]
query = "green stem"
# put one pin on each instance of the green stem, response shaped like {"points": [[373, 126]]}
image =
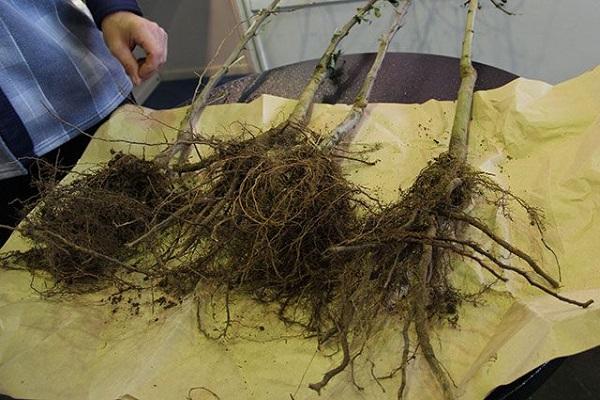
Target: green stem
{"points": [[459, 141]]}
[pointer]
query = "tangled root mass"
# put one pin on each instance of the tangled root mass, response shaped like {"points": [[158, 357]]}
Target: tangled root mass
{"points": [[79, 230], [274, 217]]}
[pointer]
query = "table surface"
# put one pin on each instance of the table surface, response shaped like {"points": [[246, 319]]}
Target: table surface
{"points": [[403, 78], [416, 78]]}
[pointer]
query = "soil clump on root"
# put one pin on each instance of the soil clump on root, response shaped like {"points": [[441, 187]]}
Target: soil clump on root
{"points": [[79, 230]]}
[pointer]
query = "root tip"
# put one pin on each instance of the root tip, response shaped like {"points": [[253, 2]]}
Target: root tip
{"points": [[587, 303], [316, 387]]}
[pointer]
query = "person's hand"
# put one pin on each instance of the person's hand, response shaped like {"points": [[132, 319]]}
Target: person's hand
{"points": [[125, 30]]}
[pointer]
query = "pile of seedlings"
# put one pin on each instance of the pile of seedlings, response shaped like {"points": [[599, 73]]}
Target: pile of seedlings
{"points": [[272, 215], [121, 224], [257, 213], [283, 201]]}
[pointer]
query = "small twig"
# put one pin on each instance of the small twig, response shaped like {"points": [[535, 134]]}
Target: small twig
{"points": [[405, 355], [343, 337], [205, 389], [501, 8], [106, 140], [358, 247], [370, 163], [8, 227]]}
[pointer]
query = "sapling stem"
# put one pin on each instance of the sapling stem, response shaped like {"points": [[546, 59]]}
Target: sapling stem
{"points": [[349, 123], [199, 102], [305, 101], [459, 140]]}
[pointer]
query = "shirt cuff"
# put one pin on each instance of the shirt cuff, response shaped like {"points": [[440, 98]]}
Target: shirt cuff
{"points": [[102, 8]]}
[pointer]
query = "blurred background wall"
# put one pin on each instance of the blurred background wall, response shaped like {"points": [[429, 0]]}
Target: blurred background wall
{"points": [[551, 40], [196, 29]]}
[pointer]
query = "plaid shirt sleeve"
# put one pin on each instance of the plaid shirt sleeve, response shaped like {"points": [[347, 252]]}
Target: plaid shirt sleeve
{"points": [[102, 8], [56, 77]]}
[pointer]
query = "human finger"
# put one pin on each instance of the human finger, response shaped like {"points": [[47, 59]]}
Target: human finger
{"points": [[154, 40], [122, 52]]}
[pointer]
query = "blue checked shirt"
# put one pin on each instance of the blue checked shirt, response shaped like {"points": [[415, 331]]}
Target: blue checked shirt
{"points": [[56, 75]]}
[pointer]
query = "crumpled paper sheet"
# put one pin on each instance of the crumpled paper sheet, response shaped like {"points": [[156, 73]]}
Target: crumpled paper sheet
{"points": [[542, 142]]}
